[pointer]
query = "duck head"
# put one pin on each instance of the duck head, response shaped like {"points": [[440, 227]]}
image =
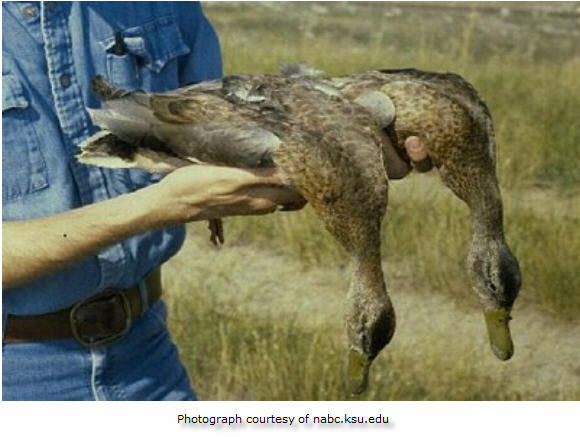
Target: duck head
{"points": [[493, 269], [496, 278], [370, 320]]}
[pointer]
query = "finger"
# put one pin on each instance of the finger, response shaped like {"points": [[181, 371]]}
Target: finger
{"points": [[418, 154], [423, 166], [415, 149], [294, 206], [269, 196], [263, 176], [396, 167]]}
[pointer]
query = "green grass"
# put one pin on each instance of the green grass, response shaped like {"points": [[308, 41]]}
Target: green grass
{"points": [[261, 318], [250, 329], [527, 75]]}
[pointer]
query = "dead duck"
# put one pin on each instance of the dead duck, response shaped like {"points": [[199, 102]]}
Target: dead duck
{"points": [[326, 147], [444, 113], [456, 128], [335, 153]]}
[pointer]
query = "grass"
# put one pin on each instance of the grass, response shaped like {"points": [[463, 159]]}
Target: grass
{"points": [[261, 318], [255, 325]]}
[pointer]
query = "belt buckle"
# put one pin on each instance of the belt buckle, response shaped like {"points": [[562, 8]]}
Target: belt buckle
{"points": [[88, 341]]}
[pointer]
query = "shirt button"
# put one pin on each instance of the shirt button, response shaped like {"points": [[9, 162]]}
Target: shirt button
{"points": [[30, 11], [65, 81]]}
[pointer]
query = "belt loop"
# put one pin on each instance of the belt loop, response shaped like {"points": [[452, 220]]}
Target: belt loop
{"points": [[143, 292], [4, 325]]}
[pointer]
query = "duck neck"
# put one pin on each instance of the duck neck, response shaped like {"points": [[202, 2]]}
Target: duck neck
{"points": [[487, 214], [370, 318], [367, 279]]}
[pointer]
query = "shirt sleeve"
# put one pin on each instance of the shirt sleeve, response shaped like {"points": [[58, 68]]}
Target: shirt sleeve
{"points": [[204, 61]]}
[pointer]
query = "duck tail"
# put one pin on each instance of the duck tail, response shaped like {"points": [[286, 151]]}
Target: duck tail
{"points": [[105, 149]]}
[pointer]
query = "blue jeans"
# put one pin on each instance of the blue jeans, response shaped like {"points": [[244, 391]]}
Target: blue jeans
{"points": [[144, 365]]}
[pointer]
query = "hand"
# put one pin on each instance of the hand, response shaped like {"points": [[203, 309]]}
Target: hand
{"points": [[203, 192], [397, 168], [418, 154]]}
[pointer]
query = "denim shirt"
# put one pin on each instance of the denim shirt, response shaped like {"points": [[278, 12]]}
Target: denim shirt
{"points": [[51, 51]]}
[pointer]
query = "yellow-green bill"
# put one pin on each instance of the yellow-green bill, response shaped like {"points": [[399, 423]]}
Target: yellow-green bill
{"points": [[358, 372], [497, 322]]}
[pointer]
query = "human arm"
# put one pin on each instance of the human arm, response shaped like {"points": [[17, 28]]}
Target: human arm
{"points": [[32, 248]]}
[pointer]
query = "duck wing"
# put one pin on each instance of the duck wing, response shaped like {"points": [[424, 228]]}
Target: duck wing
{"points": [[160, 132]]}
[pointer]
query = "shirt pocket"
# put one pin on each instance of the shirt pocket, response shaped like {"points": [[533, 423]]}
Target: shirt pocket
{"points": [[145, 56], [23, 166]]}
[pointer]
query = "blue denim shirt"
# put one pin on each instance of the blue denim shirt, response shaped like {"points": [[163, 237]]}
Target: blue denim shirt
{"points": [[51, 51]]}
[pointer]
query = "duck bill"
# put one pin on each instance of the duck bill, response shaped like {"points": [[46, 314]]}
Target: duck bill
{"points": [[497, 322], [358, 372]]}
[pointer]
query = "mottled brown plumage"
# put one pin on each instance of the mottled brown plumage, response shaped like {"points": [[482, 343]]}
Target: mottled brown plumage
{"points": [[332, 151], [456, 128]]}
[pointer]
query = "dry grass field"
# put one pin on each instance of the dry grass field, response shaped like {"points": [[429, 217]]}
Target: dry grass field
{"points": [[261, 318]]}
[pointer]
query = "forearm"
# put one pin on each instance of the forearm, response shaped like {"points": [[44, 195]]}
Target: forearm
{"points": [[32, 248]]}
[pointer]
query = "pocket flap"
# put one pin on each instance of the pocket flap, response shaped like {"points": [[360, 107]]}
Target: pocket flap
{"points": [[12, 93], [156, 43]]}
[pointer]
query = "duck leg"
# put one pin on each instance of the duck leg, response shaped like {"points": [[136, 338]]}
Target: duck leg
{"points": [[216, 228]]}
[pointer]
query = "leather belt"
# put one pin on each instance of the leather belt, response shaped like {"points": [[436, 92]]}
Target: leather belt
{"points": [[97, 321]]}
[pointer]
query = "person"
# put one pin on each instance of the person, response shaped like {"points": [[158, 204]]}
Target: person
{"points": [[82, 315]]}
